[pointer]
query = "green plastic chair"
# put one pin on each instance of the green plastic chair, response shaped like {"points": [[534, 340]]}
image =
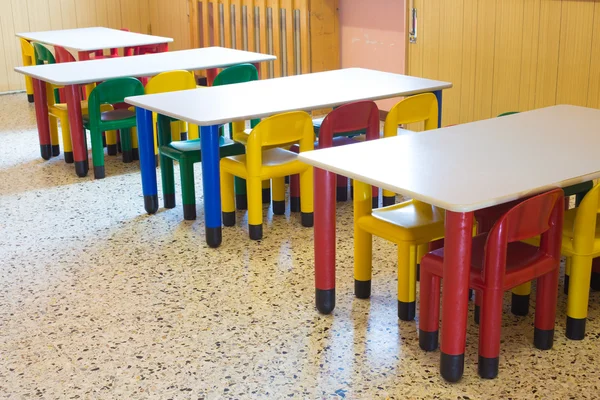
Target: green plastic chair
{"points": [[44, 56], [188, 152], [111, 92]]}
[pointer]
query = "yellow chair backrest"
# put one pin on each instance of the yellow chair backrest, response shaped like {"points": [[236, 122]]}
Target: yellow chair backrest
{"points": [[281, 129], [418, 108], [27, 52], [584, 227], [171, 81]]}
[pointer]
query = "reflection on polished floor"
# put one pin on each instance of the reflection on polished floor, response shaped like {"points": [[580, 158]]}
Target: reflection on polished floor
{"points": [[99, 300]]}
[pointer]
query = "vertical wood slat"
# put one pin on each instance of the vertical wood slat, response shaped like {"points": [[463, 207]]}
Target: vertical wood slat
{"points": [[274, 37], [548, 53], [594, 88], [529, 58], [484, 65], [451, 45], [469, 58], [302, 7], [261, 8], [287, 32], [236, 21]]}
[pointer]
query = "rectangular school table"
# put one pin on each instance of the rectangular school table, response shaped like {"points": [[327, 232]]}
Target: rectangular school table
{"points": [[73, 75], [462, 169], [223, 104]]}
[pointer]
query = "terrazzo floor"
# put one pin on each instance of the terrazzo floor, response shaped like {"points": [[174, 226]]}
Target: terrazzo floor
{"points": [[100, 301]]}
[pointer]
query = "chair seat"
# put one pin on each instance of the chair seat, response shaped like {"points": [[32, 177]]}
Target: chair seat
{"points": [[117, 115], [319, 121], [63, 106], [276, 162], [411, 220], [175, 150], [519, 257]]}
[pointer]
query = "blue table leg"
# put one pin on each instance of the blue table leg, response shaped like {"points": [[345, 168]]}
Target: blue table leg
{"points": [[438, 96], [147, 161], [209, 141]]}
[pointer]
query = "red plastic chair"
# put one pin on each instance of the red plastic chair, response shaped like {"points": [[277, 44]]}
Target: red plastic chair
{"points": [[499, 262], [353, 117]]}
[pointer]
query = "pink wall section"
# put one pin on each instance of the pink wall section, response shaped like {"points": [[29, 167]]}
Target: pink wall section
{"points": [[373, 35]]}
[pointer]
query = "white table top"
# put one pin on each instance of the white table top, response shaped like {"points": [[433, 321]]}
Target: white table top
{"points": [[258, 99], [472, 166], [146, 65], [97, 38]]}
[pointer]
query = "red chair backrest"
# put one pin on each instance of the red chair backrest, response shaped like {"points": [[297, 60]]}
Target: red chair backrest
{"points": [[539, 215], [62, 55], [357, 116]]}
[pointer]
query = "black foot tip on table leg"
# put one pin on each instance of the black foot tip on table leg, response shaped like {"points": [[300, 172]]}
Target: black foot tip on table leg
{"points": [[341, 194], [575, 328], [325, 300], [279, 207], [388, 201], [229, 218], [543, 339], [169, 199], [452, 366], [55, 150], [566, 287], [69, 157], [99, 172], [135, 154], [111, 149], [520, 304], [151, 203], [127, 156], [81, 168], [46, 151], [30, 98], [362, 289], [595, 282], [308, 219], [295, 204], [407, 310], [241, 202], [255, 231], [189, 212], [428, 341], [266, 195], [488, 367], [214, 237], [476, 315]]}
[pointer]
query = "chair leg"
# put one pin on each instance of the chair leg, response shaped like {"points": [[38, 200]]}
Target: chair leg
{"points": [[429, 310], [54, 135], [168, 181], [135, 153], [389, 198], [363, 242], [422, 249], [577, 301], [188, 191], [295, 193], [489, 333], [545, 312], [255, 190], [241, 198], [407, 281], [306, 198], [341, 188], [111, 143], [97, 154], [278, 195], [567, 273], [227, 198], [266, 192], [66, 135], [520, 299], [125, 135]]}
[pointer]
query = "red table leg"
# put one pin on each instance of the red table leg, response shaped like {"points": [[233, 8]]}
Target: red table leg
{"points": [[77, 133], [41, 116], [457, 264], [324, 240]]}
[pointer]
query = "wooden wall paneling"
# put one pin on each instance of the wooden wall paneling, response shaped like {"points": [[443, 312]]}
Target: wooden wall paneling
{"points": [[39, 15], [415, 50], [529, 55], [102, 14], [548, 52], [469, 39], [68, 14], [594, 87], [430, 16], [229, 32], [451, 48], [324, 35], [287, 36], [214, 16], [248, 5], [15, 18], [55, 14], [302, 6], [236, 14], [4, 63], [86, 13], [507, 55], [273, 5], [576, 30], [202, 23], [261, 46], [113, 14], [484, 64], [130, 15]]}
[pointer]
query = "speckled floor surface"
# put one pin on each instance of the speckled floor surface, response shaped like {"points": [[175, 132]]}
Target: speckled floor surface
{"points": [[99, 301]]}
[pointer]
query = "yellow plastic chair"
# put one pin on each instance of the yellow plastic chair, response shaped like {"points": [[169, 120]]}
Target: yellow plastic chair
{"points": [[28, 56], [264, 161], [412, 224]]}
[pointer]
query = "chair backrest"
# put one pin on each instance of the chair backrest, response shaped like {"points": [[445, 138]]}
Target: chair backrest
{"points": [[237, 74], [110, 92], [352, 117], [43, 55], [63, 55], [27, 52], [538, 215], [418, 108], [508, 113], [171, 81], [281, 129], [584, 227]]}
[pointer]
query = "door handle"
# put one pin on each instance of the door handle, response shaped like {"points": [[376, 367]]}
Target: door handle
{"points": [[412, 34]]}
